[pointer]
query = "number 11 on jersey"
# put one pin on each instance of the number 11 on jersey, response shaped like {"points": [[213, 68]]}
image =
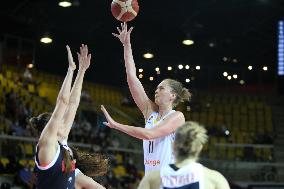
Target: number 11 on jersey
{"points": [[151, 146]]}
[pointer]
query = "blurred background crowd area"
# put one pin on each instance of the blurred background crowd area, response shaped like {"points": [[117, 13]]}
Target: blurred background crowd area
{"points": [[240, 126]]}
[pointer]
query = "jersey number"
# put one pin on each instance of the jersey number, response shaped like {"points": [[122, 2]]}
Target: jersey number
{"points": [[151, 146]]}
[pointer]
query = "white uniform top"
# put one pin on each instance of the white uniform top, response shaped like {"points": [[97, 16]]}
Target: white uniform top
{"points": [[158, 152], [187, 177]]}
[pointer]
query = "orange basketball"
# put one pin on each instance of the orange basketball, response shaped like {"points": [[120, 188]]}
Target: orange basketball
{"points": [[124, 10]]}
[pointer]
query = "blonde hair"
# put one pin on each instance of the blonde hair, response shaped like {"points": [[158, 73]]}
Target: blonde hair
{"points": [[182, 93], [189, 140]]}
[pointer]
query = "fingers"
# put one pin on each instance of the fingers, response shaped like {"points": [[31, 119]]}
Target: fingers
{"points": [[70, 58], [108, 118], [105, 112], [115, 35], [84, 50], [119, 31], [68, 50], [106, 123], [130, 30], [125, 26], [89, 57], [79, 56]]}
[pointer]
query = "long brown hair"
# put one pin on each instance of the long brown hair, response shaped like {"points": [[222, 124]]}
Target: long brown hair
{"points": [[36, 126], [91, 164]]}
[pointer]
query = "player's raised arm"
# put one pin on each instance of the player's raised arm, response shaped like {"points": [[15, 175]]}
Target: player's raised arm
{"points": [[138, 93]]}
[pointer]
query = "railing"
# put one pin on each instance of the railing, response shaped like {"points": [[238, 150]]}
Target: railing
{"points": [[247, 171], [86, 146]]}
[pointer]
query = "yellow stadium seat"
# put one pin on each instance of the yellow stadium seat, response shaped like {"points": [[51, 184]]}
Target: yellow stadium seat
{"points": [[118, 158], [31, 88], [4, 161], [119, 171], [23, 162], [29, 151], [231, 153], [222, 149]]}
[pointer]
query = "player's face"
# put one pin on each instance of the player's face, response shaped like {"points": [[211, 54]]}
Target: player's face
{"points": [[164, 94]]}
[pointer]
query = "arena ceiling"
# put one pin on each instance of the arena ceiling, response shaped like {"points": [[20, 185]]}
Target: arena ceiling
{"points": [[243, 31]]}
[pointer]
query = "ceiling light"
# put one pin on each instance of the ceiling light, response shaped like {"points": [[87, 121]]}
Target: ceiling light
{"points": [[180, 66], [148, 55], [170, 68], [30, 66], [265, 68], [65, 3], [188, 42], [250, 67], [225, 74], [46, 39], [211, 44], [197, 67]]}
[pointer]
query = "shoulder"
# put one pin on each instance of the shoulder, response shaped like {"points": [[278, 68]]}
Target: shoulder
{"points": [[176, 115], [150, 180], [216, 178], [153, 176]]}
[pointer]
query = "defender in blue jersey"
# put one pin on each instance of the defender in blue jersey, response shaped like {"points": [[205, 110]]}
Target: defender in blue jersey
{"points": [[55, 165], [186, 173]]}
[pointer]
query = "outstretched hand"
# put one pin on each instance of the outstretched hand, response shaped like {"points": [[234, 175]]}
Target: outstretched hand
{"points": [[84, 58], [124, 35], [72, 64], [110, 122]]}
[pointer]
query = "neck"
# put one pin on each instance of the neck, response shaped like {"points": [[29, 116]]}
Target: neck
{"points": [[181, 163], [163, 110]]}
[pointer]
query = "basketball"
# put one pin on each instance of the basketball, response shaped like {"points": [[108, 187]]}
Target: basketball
{"points": [[124, 10]]}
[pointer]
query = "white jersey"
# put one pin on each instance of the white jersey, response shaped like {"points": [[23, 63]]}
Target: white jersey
{"points": [[188, 177], [157, 152]]}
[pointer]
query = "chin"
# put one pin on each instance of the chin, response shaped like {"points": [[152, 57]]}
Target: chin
{"points": [[156, 101]]}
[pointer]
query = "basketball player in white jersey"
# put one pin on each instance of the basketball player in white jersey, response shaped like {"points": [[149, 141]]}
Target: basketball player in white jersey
{"points": [[160, 118], [186, 173]]}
